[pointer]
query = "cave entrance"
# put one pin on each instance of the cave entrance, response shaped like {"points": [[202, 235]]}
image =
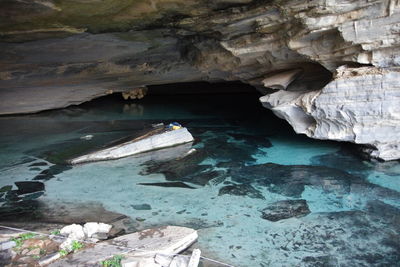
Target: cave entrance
{"points": [[210, 103]]}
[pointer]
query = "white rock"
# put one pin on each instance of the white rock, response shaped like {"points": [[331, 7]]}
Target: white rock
{"points": [[361, 106], [163, 260], [157, 141], [180, 261], [73, 231], [97, 230], [140, 262]]}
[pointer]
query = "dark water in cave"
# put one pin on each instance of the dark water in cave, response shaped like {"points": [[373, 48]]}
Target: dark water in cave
{"points": [[258, 194]]}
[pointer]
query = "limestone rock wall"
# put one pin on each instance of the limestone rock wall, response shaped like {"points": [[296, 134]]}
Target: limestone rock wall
{"points": [[54, 53], [360, 105]]}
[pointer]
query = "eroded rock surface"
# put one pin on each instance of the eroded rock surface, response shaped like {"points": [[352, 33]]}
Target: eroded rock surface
{"points": [[360, 105], [59, 53]]}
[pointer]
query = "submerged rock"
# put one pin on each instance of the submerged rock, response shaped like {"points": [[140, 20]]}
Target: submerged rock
{"points": [[256, 140], [51, 172], [289, 180], [26, 187], [285, 209], [241, 190], [169, 184], [345, 159], [38, 164], [184, 169], [141, 207]]}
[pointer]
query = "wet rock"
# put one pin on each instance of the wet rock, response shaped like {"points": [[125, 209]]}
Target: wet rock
{"points": [[178, 169], [220, 149], [241, 190], [141, 207], [51, 172], [5, 188], [285, 209], [255, 140], [289, 180], [205, 177], [12, 196], [38, 164], [229, 164], [345, 159], [44, 175], [319, 261], [381, 209], [359, 238], [169, 184], [32, 196], [29, 187]]}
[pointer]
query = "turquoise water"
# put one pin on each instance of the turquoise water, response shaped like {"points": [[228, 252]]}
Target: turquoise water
{"points": [[246, 160]]}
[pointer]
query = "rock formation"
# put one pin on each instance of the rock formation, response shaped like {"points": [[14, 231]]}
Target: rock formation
{"points": [[59, 53]]}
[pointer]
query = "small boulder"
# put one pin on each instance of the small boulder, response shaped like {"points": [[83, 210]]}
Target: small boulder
{"points": [[97, 230], [73, 231], [285, 209]]}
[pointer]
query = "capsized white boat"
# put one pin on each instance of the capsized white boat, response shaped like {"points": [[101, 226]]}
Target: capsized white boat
{"points": [[156, 139]]}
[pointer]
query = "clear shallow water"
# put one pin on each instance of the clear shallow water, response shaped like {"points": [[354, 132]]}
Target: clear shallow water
{"points": [[246, 160]]}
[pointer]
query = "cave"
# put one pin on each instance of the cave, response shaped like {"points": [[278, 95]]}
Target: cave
{"points": [[291, 108]]}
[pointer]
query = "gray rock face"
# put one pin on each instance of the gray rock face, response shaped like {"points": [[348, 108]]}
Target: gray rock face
{"points": [[78, 51]]}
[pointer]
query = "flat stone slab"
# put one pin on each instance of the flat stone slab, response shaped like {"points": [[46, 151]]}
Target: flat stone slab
{"points": [[164, 240], [167, 240], [138, 145]]}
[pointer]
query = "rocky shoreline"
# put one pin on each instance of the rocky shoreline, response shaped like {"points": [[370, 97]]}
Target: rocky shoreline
{"points": [[76, 245]]}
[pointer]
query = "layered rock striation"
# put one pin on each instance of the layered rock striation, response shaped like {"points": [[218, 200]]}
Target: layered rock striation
{"points": [[361, 105], [59, 53]]}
